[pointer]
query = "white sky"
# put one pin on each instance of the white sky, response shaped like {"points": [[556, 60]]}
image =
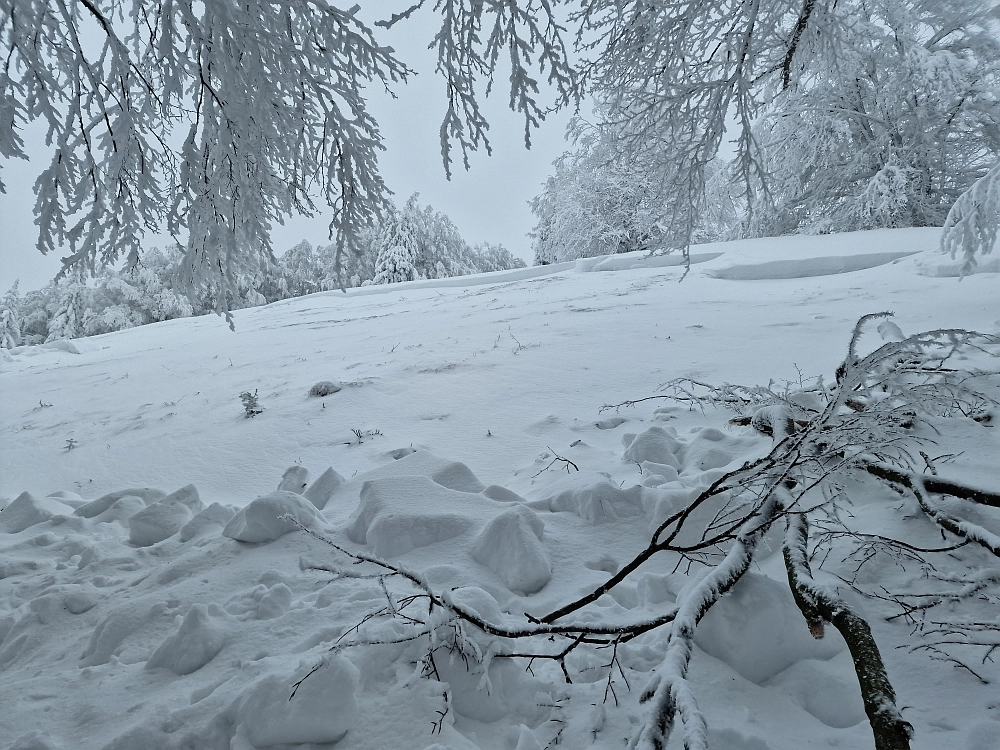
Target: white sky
{"points": [[489, 203]]}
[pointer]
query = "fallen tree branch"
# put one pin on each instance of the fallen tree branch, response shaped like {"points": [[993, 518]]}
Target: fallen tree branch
{"points": [[965, 529], [818, 603], [935, 484]]}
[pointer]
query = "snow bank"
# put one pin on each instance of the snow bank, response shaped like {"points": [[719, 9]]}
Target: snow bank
{"points": [[806, 267]]}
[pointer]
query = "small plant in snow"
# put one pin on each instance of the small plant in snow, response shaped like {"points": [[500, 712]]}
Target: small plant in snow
{"points": [[360, 436], [250, 406]]}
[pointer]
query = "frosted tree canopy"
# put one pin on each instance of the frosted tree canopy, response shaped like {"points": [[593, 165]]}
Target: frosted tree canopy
{"points": [[215, 120]]}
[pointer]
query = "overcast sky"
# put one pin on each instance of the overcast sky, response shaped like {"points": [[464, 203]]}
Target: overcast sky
{"points": [[488, 203]]}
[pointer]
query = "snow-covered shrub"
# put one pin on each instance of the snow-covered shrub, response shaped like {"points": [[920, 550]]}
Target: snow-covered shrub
{"points": [[251, 408]]}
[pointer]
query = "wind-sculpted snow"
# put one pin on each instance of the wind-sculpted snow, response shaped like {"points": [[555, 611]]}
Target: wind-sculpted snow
{"points": [[28, 510], [272, 516], [760, 632], [510, 546], [806, 267]]}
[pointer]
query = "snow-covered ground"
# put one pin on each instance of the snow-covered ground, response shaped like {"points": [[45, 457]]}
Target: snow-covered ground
{"points": [[136, 623]]}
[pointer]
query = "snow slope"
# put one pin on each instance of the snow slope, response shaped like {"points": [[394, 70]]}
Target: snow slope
{"points": [[142, 621]]}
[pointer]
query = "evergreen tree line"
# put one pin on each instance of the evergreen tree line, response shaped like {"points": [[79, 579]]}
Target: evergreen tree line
{"points": [[412, 243]]}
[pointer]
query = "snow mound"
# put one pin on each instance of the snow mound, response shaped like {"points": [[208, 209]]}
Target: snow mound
{"points": [[148, 495], [121, 623], [502, 494], [165, 517], [69, 498], [656, 445], [757, 630], [263, 521], [398, 514], [823, 692], [215, 515], [655, 474], [27, 511], [940, 268], [195, 644], [320, 491], [479, 601], [710, 448], [458, 476], [295, 479], [510, 545], [592, 496], [121, 510], [323, 709], [802, 268]]}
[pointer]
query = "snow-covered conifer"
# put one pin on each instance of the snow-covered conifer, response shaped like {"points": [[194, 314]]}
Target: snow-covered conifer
{"points": [[71, 308], [395, 263], [10, 319]]}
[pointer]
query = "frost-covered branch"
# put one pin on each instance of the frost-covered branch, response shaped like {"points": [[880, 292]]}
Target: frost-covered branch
{"points": [[818, 604]]}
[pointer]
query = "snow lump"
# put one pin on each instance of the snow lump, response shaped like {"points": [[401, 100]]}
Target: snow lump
{"points": [[165, 517], [398, 514], [28, 510], [323, 708], [195, 644], [510, 545], [262, 520]]}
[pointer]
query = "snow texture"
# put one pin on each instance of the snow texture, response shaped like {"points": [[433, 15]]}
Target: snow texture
{"points": [[84, 611]]}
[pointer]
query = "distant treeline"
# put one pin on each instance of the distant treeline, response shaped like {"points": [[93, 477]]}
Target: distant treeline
{"points": [[412, 243]]}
